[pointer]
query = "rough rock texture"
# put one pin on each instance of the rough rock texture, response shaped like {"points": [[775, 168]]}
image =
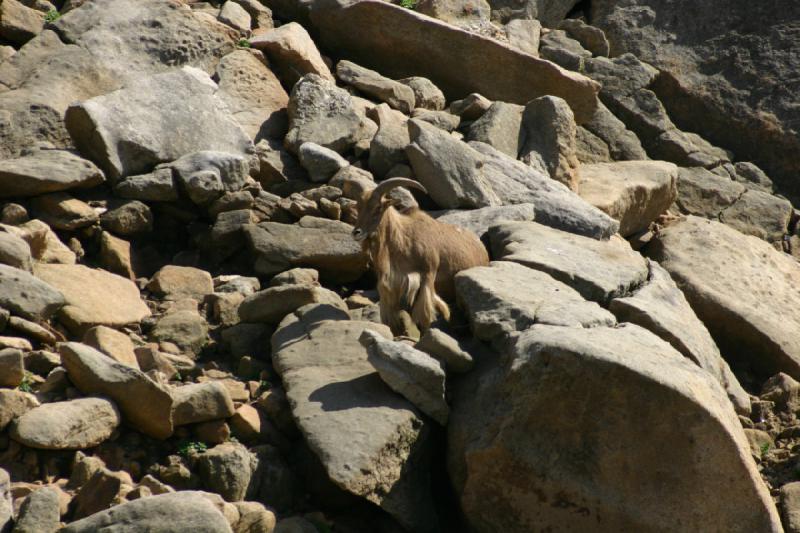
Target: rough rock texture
{"points": [[549, 130], [633, 192], [12, 366], [446, 349], [46, 171], [402, 43], [26, 295], [480, 220], [274, 303], [227, 470], [398, 95], [157, 514], [113, 343], [500, 127], [292, 53], [524, 455], [623, 144], [598, 270], [146, 405], [86, 293], [200, 402], [410, 372], [556, 205], [6, 503], [506, 297], [129, 131], [661, 307], [13, 404], [448, 169], [371, 441], [39, 513], [70, 425], [321, 244], [711, 81], [322, 113], [743, 290]]}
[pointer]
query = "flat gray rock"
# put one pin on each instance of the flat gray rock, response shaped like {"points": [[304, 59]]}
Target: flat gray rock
{"points": [[394, 93], [26, 295], [70, 425], [131, 130], [146, 405], [588, 449], [410, 372], [480, 220], [598, 270], [46, 171], [324, 245], [370, 440], [556, 205], [165, 513], [744, 291], [661, 307], [506, 297]]}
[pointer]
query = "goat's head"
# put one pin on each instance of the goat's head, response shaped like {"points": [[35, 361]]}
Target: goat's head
{"points": [[374, 203]]}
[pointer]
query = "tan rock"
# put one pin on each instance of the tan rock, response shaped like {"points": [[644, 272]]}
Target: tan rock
{"points": [[13, 404], [70, 425], [113, 343], [12, 368], [19, 23], [201, 402], [115, 255], [61, 211], [246, 422], [175, 282], [94, 297], [292, 53]]}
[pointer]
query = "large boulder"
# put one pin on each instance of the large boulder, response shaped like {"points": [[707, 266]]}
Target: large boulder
{"points": [[46, 171], [371, 441], [325, 245], [146, 405], [550, 144], [131, 130], [70, 425], [661, 307], [725, 105], [633, 192], [478, 221], [192, 510], [93, 297], [647, 442], [598, 270], [744, 291], [401, 43]]}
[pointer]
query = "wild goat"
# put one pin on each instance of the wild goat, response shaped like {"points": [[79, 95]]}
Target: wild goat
{"points": [[415, 257]]}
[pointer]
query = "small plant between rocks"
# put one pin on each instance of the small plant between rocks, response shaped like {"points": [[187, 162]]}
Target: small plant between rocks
{"points": [[192, 447], [52, 15], [243, 43]]}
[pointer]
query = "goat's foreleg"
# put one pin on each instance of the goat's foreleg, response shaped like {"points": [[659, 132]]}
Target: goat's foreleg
{"points": [[390, 307], [428, 303]]}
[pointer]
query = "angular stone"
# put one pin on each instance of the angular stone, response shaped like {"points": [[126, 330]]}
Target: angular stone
{"points": [[444, 120], [200, 402], [322, 113], [185, 328], [6, 502], [115, 256], [60, 210], [396, 94], [591, 38], [743, 290], [12, 368], [128, 219], [146, 405], [46, 171], [410, 372], [325, 245], [661, 307], [235, 16], [254, 517], [13, 404], [449, 169], [426, 94], [253, 94], [70, 425], [176, 282], [40, 512], [158, 186], [334, 391], [549, 130], [623, 144], [207, 174], [15, 252], [705, 194], [388, 147], [556, 206], [518, 423], [18, 22], [524, 34], [499, 127], [126, 131], [157, 514], [558, 47], [598, 270], [320, 162], [292, 53], [633, 192], [759, 213], [505, 298], [403, 43], [227, 469], [790, 506], [273, 304], [87, 292], [446, 349], [28, 296], [480, 220]]}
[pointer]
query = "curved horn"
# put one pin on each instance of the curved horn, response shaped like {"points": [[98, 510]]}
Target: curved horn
{"points": [[387, 185]]}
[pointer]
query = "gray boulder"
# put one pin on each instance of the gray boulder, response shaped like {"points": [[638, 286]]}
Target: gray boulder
{"points": [[201, 402], [388, 147], [39, 512], [71, 425], [273, 304], [157, 186], [623, 144], [519, 424], [598, 270], [449, 169], [130, 131], [227, 469], [26, 295], [320, 162], [549, 130], [500, 127], [15, 252], [426, 94], [46, 171], [480, 220], [399, 96], [371, 441], [207, 174], [187, 510], [410, 372]]}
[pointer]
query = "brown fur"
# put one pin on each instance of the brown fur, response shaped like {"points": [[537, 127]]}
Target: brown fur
{"points": [[415, 259]]}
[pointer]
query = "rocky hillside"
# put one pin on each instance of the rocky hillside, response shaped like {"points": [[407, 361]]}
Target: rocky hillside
{"points": [[190, 337]]}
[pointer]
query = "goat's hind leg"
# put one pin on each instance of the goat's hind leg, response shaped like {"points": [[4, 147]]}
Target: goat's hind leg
{"points": [[428, 303]]}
